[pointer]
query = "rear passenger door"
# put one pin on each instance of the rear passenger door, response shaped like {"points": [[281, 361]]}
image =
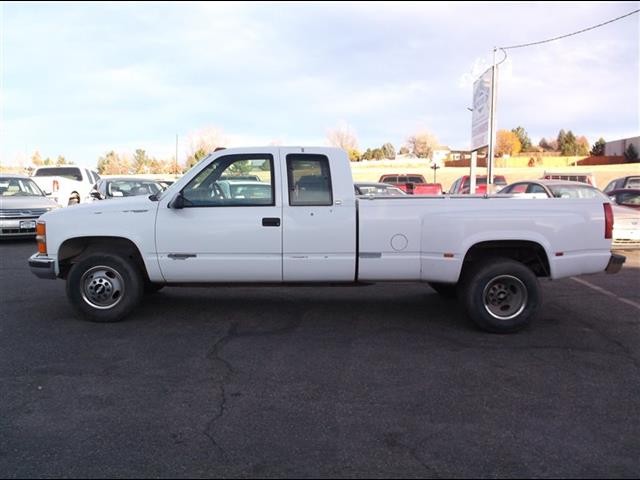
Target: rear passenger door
{"points": [[318, 228]]}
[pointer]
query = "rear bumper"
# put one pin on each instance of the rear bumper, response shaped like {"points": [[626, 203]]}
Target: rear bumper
{"points": [[42, 267], [615, 263]]}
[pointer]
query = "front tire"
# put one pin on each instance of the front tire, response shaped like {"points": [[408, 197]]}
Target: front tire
{"points": [[104, 287], [501, 295]]}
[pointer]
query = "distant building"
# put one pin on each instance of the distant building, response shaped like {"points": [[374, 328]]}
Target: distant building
{"points": [[440, 154], [465, 154], [618, 147]]}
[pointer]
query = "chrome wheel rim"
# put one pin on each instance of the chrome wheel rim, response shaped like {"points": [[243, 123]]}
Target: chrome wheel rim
{"points": [[102, 287], [505, 297]]}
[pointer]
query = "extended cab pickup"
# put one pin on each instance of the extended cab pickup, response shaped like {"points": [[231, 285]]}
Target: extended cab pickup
{"points": [[304, 225], [68, 185]]}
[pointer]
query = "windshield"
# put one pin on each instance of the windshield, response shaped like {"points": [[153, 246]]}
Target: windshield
{"points": [[19, 187], [576, 191], [72, 173]]}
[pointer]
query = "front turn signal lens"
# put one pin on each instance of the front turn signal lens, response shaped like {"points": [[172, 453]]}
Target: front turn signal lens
{"points": [[41, 237]]}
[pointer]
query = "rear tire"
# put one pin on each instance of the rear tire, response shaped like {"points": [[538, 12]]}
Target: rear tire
{"points": [[104, 287], [446, 290], [501, 295]]}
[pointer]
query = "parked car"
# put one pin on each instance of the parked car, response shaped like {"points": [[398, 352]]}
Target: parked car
{"points": [[378, 189], [314, 230], [245, 190], [68, 185], [21, 204], [630, 181], [412, 184], [625, 197], [251, 178], [581, 177], [108, 188], [626, 221], [462, 185]]}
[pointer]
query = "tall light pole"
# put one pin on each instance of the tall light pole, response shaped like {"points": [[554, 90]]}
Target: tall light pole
{"points": [[492, 122]]}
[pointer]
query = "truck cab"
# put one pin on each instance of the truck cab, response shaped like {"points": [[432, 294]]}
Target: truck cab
{"points": [[311, 192]]}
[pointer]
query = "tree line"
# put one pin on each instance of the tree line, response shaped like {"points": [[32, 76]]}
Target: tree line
{"points": [[421, 144]]}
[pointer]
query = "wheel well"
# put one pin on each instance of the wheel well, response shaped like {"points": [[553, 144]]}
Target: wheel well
{"points": [[74, 250], [530, 254]]}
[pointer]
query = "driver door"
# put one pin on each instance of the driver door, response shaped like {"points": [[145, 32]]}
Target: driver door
{"points": [[230, 228]]}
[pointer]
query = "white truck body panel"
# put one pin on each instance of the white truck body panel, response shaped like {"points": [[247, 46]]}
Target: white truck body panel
{"points": [[434, 226], [379, 239]]}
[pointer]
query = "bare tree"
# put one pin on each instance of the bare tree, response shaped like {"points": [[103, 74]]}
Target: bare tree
{"points": [[203, 142], [422, 144], [343, 137]]}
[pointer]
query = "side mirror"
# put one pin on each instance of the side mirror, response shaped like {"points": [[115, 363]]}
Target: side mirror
{"points": [[47, 193], [95, 194], [177, 202]]}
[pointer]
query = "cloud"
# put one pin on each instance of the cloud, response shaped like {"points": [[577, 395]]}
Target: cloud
{"points": [[79, 78]]}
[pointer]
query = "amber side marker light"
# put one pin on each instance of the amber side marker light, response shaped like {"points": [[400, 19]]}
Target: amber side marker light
{"points": [[41, 237]]}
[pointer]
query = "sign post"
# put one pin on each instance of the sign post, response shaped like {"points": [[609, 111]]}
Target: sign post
{"points": [[483, 120], [434, 167]]}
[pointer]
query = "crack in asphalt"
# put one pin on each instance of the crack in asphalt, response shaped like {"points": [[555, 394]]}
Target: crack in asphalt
{"points": [[626, 352], [391, 440], [214, 355]]}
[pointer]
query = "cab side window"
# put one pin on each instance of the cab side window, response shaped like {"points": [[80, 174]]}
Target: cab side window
{"points": [[231, 181], [309, 180]]}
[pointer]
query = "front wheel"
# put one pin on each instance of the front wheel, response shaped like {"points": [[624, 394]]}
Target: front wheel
{"points": [[501, 295], [104, 287]]}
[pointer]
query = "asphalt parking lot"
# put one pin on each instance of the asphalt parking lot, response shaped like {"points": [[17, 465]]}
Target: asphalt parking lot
{"points": [[379, 381]]}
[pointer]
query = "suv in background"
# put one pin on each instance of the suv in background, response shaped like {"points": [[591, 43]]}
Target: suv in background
{"points": [[630, 181], [581, 177], [462, 185], [67, 184]]}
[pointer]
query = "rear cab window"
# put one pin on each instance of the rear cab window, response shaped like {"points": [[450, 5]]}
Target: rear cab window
{"points": [[309, 180], [72, 173]]}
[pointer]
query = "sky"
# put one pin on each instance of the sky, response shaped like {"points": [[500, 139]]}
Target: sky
{"points": [[81, 79]]}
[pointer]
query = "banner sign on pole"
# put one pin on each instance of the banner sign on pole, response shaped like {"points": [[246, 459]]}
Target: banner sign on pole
{"points": [[480, 118]]}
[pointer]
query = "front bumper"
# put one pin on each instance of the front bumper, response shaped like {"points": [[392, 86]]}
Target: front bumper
{"points": [[42, 266], [18, 227], [615, 263]]}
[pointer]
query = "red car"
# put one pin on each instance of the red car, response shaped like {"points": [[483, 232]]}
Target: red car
{"points": [[462, 185], [412, 183]]}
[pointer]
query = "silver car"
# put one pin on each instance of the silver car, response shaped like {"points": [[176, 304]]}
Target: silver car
{"points": [[21, 203], [626, 221]]}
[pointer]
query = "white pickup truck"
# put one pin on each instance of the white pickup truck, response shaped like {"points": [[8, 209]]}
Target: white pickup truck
{"points": [[300, 223], [66, 185]]}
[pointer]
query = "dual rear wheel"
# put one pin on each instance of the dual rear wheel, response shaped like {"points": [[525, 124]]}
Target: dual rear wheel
{"points": [[500, 295]]}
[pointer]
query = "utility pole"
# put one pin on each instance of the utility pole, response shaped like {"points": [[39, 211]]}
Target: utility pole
{"points": [[175, 170], [492, 123]]}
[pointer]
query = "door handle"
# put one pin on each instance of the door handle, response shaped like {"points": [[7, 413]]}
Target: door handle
{"points": [[270, 222], [181, 256]]}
